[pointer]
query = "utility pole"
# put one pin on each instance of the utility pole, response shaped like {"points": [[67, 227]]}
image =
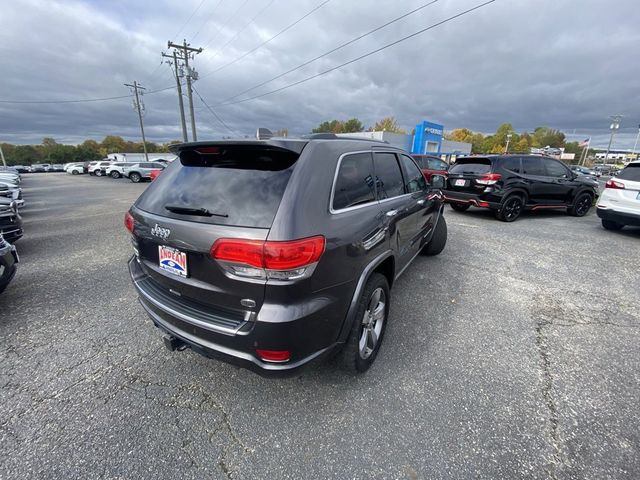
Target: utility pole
{"points": [[179, 85], [634, 145], [615, 125], [2, 155], [191, 75], [138, 106]]}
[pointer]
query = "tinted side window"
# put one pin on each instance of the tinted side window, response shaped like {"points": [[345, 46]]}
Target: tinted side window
{"points": [[555, 169], [157, 165], [414, 180], [533, 166], [388, 176], [354, 184], [512, 164]]}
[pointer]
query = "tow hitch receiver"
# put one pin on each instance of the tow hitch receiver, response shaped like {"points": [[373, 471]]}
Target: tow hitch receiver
{"points": [[172, 343]]}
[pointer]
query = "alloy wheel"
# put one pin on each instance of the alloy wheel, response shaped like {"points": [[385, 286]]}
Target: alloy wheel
{"points": [[372, 323], [583, 205], [512, 208]]}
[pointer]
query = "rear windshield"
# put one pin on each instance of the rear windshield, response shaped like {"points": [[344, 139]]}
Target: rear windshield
{"points": [[471, 165], [630, 172], [235, 185]]}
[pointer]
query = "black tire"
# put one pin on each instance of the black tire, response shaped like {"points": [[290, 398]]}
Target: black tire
{"points": [[74, 172], [511, 208], [438, 240], [609, 225], [356, 358], [98, 173], [581, 205], [135, 177], [115, 174], [460, 207]]}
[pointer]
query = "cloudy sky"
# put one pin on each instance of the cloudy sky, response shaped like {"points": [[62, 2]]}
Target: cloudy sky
{"points": [[567, 64]]}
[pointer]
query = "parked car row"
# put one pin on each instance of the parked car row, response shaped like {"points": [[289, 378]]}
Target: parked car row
{"points": [[39, 168], [10, 222], [134, 171]]}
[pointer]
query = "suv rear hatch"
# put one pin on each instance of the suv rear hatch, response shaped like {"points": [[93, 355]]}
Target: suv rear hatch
{"points": [[213, 191], [470, 175]]}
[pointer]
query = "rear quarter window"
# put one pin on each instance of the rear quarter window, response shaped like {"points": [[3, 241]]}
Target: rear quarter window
{"points": [[239, 185], [354, 182]]}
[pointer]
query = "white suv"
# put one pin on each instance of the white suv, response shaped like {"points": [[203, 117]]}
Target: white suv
{"points": [[619, 204], [116, 170], [97, 168], [75, 168]]}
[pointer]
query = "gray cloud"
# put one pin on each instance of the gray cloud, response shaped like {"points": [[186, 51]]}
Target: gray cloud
{"points": [[566, 64]]}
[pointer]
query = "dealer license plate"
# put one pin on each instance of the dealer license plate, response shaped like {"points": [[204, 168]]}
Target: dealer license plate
{"points": [[172, 260], [459, 183]]}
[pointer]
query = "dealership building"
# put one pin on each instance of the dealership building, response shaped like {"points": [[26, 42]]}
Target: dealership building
{"points": [[428, 139]]}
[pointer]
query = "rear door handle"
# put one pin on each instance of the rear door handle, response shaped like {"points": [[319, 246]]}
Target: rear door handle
{"points": [[392, 213]]}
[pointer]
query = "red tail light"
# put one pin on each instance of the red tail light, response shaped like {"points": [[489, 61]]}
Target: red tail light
{"points": [[128, 222], [274, 355], [613, 184], [269, 255], [489, 179], [247, 252]]}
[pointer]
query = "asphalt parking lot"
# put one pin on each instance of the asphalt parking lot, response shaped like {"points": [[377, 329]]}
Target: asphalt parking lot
{"points": [[514, 354]]}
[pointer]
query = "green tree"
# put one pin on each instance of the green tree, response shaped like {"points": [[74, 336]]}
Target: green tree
{"points": [[353, 125], [387, 124], [113, 144], [545, 136], [332, 126]]}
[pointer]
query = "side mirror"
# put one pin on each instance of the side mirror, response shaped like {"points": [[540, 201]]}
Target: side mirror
{"points": [[437, 181]]}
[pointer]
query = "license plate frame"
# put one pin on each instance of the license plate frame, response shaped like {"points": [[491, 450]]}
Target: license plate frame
{"points": [[173, 261]]}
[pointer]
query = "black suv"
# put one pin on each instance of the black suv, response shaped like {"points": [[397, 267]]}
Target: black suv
{"points": [[272, 253], [509, 184]]}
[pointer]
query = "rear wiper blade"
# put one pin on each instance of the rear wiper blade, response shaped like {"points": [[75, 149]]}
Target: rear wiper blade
{"points": [[202, 212]]}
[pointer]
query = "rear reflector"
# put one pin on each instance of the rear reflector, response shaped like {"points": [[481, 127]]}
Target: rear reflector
{"points": [[270, 255], [274, 355], [128, 222], [613, 184]]}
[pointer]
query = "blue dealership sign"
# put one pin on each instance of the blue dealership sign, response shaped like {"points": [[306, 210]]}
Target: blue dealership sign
{"points": [[428, 138]]}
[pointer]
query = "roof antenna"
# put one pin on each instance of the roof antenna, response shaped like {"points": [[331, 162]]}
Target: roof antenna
{"points": [[264, 134]]}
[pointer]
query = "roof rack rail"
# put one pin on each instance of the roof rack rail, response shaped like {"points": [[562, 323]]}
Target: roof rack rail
{"points": [[320, 136]]}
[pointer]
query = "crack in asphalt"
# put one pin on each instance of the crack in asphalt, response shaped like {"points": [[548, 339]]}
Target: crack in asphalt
{"points": [[547, 394]]}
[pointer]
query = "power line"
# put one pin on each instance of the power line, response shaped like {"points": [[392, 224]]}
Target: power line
{"points": [[214, 113], [372, 52], [226, 23], [176, 36], [84, 100], [207, 19], [243, 28], [333, 50], [268, 40]]}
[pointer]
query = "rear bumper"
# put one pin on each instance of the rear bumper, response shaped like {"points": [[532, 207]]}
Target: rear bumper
{"points": [[309, 338], [483, 201], [618, 217]]}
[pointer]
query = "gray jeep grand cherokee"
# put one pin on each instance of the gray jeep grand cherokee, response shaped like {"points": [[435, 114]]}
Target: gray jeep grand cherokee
{"points": [[272, 253]]}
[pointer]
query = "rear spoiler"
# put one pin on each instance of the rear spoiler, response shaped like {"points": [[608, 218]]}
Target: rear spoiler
{"points": [[292, 145]]}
